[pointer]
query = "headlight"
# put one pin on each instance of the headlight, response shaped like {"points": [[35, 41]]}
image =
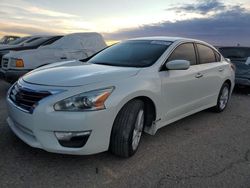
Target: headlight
{"points": [[93, 100], [16, 62]]}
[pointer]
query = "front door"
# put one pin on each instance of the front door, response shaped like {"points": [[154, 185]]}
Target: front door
{"points": [[181, 88]]}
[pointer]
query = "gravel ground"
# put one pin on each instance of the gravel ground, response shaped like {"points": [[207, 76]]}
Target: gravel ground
{"points": [[203, 150]]}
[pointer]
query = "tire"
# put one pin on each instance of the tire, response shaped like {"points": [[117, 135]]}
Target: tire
{"points": [[128, 127], [223, 98]]}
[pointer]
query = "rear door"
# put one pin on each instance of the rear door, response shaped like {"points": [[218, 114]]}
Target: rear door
{"points": [[212, 70]]}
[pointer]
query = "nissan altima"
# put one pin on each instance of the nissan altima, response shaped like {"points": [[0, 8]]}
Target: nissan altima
{"points": [[108, 101]]}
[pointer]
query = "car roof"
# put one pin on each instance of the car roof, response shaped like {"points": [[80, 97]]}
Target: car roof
{"points": [[174, 39], [166, 38]]}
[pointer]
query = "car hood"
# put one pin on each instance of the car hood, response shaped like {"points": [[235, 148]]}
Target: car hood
{"points": [[77, 73], [24, 54]]}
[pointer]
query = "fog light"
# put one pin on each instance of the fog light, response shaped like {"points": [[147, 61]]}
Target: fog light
{"points": [[73, 139]]}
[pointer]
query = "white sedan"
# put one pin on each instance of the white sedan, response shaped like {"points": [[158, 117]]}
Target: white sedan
{"points": [[107, 102]]}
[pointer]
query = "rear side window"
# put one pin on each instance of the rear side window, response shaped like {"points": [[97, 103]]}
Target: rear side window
{"points": [[184, 52], [217, 56], [206, 54]]}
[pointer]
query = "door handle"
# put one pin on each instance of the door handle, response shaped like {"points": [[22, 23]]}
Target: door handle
{"points": [[198, 75], [221, 69], [63, 58]]}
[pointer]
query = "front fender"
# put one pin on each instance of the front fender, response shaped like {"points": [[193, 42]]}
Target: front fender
{"points": [[136, 88]]}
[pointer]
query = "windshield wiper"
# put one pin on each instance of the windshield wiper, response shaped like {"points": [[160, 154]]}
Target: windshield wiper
{"points": [[117, 65], [104, 63]]}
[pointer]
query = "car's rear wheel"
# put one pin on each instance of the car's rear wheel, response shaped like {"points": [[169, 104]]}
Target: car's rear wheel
{"points": [[127, 129], [223, 98]]}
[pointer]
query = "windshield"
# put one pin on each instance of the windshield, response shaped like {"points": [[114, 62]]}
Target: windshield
{"points": [[18, 41], [134, 53], [235, 52], [36, 41]]}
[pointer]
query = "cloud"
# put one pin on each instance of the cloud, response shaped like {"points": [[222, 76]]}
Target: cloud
{"points": [[31, 11], [227, 27], [203, 6], [46, 12], [209, 20], [23, 29], [30, 20]]}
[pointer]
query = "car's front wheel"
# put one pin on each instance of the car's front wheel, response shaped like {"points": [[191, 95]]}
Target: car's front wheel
{"points": [[127, 129], [223, 98]]}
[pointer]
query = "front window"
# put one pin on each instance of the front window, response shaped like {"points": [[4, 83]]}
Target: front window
{"points": [[134, 53], [184, 52]]}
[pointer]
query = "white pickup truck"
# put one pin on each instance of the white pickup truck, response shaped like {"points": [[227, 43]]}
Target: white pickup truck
{"points": [[70, 47]]}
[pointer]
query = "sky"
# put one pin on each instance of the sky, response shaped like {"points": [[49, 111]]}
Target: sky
{"points": [[220, 22]]}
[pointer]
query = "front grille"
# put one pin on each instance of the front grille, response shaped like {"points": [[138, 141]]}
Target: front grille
{"points": [[25, 98], [5, 62]]}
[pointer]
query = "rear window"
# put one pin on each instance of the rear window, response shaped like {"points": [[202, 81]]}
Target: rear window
{"points": [[217, 56], [206, 54]]}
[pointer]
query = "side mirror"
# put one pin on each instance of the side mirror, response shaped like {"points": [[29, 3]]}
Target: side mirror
{"points": [[248, 61], [178, 65]]}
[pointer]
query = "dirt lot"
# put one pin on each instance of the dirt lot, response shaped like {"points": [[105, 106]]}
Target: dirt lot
{"points": [[203, 150]]}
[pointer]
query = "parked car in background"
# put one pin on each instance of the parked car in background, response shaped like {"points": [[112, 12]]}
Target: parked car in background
{"points": [[105, 103], [17, 41], [69, 47], [240, 57], [27, 44], [24, 41], [8, 39]]}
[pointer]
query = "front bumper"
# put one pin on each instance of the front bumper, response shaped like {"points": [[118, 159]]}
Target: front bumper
{"points": [[38, 129], [12, 75]]}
